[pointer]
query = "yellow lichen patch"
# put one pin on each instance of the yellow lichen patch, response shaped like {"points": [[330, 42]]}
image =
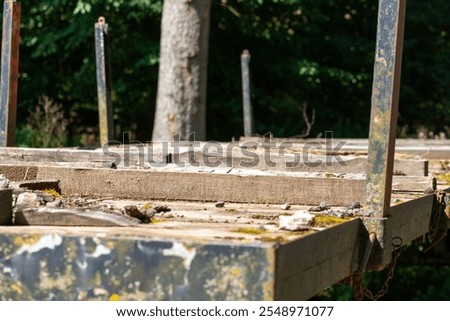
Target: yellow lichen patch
{"points": [[235, 271], [326, 220], [52, 192], [147, 206], [17, 288], [444, 177], [249, 230], [300, 233], [155, 221], [267, 238], [114, 297], [26, 240], [269, 217]]}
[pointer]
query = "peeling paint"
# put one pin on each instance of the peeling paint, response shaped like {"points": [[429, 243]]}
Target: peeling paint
{"points": [[46, 241], [58, 267], [180, 250]]}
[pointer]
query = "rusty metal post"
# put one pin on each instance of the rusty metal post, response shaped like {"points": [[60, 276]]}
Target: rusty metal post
{"points": [[103, 81], [9, 71], [246, 94], [385, 96]]}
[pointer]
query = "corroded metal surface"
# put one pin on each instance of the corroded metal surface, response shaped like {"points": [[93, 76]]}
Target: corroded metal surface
{"points": [[103, 81], [385, 96], [9, 72], [246, 93], [382, 248], [55, 267]]}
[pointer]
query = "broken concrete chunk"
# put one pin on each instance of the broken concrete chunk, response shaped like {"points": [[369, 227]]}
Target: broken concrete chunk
{"points": [[354, 206], [340, 213], [45, 216], [143, 216], [55, 204], [4, 182], [286, 206], [28, 200], [220, 204], [323, 206], [301, 220]]}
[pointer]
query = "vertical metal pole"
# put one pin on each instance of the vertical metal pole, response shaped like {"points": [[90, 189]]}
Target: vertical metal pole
{"points": [[9, 72], [385, 96], [246, 94], [103, 81]]}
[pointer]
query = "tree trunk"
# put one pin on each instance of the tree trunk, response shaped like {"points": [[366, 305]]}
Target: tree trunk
{"points": [[181, 99]]}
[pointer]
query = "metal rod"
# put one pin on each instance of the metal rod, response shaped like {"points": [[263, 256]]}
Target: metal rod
{"points": [[368, 251], [103, 81], [246, 93], [385, 96], [9, 72]]}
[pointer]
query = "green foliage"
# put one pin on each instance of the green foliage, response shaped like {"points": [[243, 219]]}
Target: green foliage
{"points": [[46, 125], [410, 282], [58, 60]]}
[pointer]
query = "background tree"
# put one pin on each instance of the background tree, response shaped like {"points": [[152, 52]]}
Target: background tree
{"points": [[181, 100]]}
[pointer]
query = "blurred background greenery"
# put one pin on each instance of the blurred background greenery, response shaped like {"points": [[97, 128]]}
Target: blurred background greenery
{"points": [[316, 54]]}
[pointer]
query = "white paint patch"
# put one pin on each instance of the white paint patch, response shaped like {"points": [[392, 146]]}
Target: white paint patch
{"points": [[180, 250], [45, 242], [101, 250]]}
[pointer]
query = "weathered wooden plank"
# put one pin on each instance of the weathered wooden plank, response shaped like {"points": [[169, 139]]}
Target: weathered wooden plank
{"points": [[411, 219], [5, 207], [309, 265], [131, 156], [193, 186], [52, 155], [413, 184], [427, 149], [199, 186], [70, 217]]}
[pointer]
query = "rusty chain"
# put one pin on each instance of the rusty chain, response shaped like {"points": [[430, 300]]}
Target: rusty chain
{"points": [[436, 216], [360, 291]]}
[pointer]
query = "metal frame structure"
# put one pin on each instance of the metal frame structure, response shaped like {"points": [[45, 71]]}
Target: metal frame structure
{"points": [[9, 71], [364, 244]]}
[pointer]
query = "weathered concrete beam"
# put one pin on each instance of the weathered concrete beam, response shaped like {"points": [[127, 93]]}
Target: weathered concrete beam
{"points": [[46, 265], [64, 263], [191, 185]]}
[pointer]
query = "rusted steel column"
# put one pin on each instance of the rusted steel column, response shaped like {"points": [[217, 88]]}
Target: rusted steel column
{"points": [[246, 94], [9, 72], [385, 96], [103, 81]]}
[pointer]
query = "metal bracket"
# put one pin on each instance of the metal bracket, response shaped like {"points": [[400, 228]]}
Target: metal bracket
{"points": [[381, 253]]}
